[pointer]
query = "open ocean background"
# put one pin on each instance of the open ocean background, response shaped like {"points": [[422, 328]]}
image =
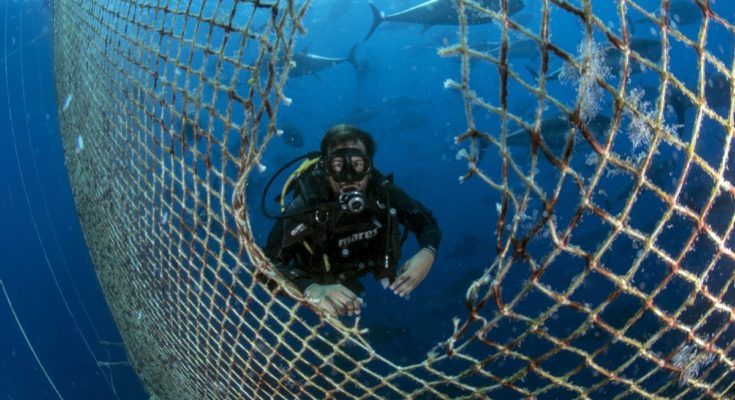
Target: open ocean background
{"points": [[44, 263]]}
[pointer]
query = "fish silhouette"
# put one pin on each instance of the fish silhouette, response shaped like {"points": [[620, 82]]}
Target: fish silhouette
{"points": [[312, 64], [438, 12]]}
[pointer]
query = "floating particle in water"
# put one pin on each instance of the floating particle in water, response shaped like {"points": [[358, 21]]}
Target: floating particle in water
{"points": [[79, 145], [165, 217], [67, 102]]}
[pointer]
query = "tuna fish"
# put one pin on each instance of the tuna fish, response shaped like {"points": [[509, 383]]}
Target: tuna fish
{"points": [[555, 132], [439, 12], [312, 64]]}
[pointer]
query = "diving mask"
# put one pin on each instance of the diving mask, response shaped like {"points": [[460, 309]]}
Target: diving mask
{"points": [[347, 165]]}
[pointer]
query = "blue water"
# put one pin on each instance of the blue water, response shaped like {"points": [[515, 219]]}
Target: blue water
{"points": [[42, 244], [41, 232]]}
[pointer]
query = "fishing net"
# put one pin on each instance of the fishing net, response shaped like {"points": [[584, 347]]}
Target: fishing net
{"points": [[612, 272]]}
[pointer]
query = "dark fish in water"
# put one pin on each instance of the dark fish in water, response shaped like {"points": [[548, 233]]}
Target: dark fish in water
{"points": [[472, 272], [717, 91], [722, 209], [550, 76], [405, 102], [292, 137], [403, 121], [674, 98], [485, 46], [683, 12], [646, 48], [523, 19], [555, 132], [659, 171], [439, 12], [679, 103], [194, 123], [312, 64], [525, 48], [397, 26], [362, 114]]}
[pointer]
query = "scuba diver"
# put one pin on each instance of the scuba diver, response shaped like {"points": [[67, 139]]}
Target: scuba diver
{"points": [[343, 223]]}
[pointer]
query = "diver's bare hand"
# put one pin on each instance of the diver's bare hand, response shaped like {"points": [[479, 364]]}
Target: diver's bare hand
{"points": [[335, 299], [413, 272]]}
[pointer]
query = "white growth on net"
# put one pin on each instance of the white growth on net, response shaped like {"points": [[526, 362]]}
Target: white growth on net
{"points": [[67, 102], [79, 144]]}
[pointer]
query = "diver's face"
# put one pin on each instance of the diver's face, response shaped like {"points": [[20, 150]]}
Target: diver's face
{"points": [[359, 164]]}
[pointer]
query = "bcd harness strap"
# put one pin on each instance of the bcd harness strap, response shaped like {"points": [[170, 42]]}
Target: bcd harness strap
{"points": [[327, 266], [306, 166]]}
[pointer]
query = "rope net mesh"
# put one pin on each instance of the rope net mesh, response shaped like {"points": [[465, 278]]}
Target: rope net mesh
{"points": [[168, 106]]}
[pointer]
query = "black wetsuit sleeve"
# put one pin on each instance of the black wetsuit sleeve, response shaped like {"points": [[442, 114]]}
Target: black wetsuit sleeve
{"points": [[287, 259], [416, 218]]}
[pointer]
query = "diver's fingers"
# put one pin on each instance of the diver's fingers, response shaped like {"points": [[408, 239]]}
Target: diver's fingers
{"points": [[346, 293], [402, 278], [409, 287], [340, 303], [402, 288], [399, 280], [356, 307], [343, 296], [406, 266], [351, 302], [338, 308], [327, 307], [405, 285], [353, 307]]}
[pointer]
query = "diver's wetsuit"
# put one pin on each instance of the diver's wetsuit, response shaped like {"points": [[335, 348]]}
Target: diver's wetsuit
{"points": [[318, 243]]}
